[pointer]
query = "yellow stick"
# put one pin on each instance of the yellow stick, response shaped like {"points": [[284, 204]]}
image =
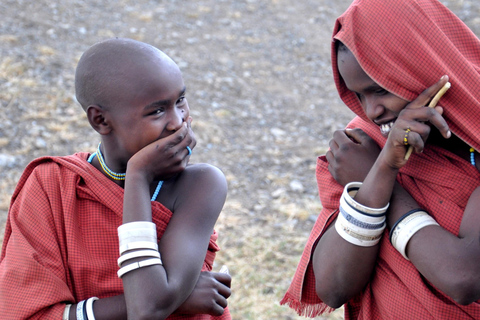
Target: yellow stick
{"points": [[432, 104]]}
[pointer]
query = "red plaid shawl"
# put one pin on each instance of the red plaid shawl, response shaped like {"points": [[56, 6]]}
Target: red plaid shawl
{"points": [[61, 242], [405, 46]]}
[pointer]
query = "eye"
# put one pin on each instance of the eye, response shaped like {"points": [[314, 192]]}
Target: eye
{"points": [[158, 111], [381, 91], [181, 100]]}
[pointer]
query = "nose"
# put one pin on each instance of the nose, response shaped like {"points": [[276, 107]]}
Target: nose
{"points": [[175, 120], [372, 108]]}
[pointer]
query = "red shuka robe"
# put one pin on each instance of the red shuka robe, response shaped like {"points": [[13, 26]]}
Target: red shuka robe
{"points": [[61, 242], [405, 46]]}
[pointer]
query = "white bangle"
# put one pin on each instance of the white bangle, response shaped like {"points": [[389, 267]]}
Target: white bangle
{"points": [[136, 225], [137, 231], [80, 313], [89, 308], [138, 245], [66, 312], [350, 191], [364, 219], [137, 254], [354, 238], [365, 232], [406, 228], [137, 265]]}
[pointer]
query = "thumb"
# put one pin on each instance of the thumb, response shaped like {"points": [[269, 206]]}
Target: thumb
{"points": [[356, 135]]}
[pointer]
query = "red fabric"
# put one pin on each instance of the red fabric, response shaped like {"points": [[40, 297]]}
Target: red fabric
{"points": [[61, 242], [405, 46]]}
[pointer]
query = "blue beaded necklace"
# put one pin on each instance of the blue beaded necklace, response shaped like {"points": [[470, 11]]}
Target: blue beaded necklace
{"points": [[472, 157], [118, 176]]}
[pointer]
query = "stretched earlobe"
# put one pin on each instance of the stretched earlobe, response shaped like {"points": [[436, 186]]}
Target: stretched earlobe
{"points": [[96, 118]]}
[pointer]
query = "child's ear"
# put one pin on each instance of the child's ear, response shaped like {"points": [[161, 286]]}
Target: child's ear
{"points": [[96, 117]]}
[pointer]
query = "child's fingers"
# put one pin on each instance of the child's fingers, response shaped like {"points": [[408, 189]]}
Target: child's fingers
{"points": [[223, 278], [357, 135]]}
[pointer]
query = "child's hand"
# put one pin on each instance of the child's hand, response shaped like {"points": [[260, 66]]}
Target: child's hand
{"points": [[166, 157], [351, 155], [209, 295], [413, 126]]}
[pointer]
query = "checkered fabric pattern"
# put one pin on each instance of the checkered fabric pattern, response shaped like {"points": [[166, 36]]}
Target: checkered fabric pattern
{"points": [[61, 243], [405, 46]]}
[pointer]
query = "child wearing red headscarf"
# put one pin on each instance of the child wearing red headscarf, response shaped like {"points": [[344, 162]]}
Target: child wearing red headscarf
{"points": [[398, 238]]}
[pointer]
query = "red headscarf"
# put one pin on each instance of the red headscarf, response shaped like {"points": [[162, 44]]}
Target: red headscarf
{"points": [[405, 47]]}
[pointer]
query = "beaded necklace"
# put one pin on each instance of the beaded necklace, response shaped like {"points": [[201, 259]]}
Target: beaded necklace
{"points": [[118, 176], [472, 157], [106, 169]]}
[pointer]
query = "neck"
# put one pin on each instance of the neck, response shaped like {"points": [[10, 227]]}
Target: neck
{"points": [[455, 145]]}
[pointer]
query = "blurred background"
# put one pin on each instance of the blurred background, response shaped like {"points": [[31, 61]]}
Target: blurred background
{"points": [[260, 89]]}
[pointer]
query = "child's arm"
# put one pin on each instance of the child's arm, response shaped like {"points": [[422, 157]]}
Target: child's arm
{"points": [[198, 196], [160, 290]]}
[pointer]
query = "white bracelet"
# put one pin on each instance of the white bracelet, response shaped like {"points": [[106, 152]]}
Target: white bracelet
{"points": [[354, 238], [136, 225], [138, 245], [66, 312], [350, 191], [365, 232], [89, 308], [358, 216], [137, 231], [137, 265], [80, 313], [410, 225], [137, 254]]}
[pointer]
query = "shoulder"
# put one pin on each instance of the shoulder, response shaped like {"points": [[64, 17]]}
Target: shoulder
{"points": [[202, 175], [197, 183]]}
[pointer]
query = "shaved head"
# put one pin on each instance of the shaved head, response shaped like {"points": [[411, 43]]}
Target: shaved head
{"points": [[113, 71]]}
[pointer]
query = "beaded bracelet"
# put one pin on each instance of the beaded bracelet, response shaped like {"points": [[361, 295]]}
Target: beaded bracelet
{"points": [[367, 232], [80, 310], [356, 223], [354, 215]]}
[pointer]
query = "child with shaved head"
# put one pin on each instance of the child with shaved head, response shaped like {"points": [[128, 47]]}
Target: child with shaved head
{"points": [[127, 231]]}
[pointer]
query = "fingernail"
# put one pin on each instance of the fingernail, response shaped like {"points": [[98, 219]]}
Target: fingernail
{"points": [[449, 134]]}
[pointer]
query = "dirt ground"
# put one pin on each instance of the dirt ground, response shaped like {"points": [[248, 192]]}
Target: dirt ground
{"points": [[260, 89]]}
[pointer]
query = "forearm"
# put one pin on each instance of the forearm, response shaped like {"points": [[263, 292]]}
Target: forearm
{"points": [[112, 308], [451, 263], [148, 290], [341, 269]]}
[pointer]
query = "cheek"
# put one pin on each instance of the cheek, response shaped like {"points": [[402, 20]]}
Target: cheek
{"points": [[398, 105]]}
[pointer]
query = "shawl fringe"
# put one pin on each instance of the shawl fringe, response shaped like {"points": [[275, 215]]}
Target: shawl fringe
{"points": [[306, 309]]}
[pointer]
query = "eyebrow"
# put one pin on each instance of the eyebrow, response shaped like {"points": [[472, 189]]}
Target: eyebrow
{"points": [[165, 102]]}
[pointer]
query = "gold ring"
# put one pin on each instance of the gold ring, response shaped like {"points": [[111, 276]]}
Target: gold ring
{"points": [[405, 138]]}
